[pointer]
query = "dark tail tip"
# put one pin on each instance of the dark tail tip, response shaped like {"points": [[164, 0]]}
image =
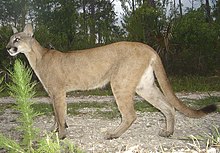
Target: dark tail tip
{"points": [[209, 109]]}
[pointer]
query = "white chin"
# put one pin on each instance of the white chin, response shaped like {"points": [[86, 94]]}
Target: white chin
{"points": [[13, 53]]}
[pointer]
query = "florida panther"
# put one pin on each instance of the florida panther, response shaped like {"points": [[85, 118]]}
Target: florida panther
{"points": [[129, 67]]}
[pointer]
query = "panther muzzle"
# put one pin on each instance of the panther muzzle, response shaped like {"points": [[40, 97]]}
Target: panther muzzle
{"points": [[12, 50]]}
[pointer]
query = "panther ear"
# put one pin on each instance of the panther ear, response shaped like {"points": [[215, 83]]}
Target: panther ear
{"points": [[28, 30], [14, 29]]}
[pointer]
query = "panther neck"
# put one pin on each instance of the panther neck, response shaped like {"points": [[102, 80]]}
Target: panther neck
{"points": [[36, 54]]}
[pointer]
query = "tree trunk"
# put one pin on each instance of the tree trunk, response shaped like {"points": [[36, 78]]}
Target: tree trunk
{"points": [[84, 17], [92, 24], [192, 4], [208, 11], [24, 11], [180, 5], [133, 5], [174, 7]]}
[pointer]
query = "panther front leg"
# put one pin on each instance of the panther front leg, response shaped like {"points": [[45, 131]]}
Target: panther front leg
{"points": [[60, 111]]}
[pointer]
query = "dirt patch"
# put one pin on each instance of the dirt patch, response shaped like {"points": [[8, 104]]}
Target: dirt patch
{"points": [[88, 133]]}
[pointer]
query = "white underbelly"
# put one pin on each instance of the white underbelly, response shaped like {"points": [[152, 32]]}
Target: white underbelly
{"points": [[147, 79]]}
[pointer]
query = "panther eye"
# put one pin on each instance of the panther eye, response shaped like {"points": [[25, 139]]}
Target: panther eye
{"points": [[17, 40]]}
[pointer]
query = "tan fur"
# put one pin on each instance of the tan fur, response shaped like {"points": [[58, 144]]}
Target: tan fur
{"points": [[128, 66]]}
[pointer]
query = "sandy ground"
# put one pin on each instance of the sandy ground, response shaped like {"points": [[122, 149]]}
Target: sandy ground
{"points": [[88, 132]]}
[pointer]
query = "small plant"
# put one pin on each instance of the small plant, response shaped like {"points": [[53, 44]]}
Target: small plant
{"points": [[212, 141], [1, 86], [23, 91], [214, 137], [52, 144]]}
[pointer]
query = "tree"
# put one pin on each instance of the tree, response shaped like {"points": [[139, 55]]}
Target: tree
{"points": [[100, 24], [5, 58], [216, 12], [147, 24], [13, 12], [196, 43], [59, 18]]}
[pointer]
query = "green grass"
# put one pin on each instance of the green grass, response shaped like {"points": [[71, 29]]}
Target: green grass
{"points": [[96, 92], [76, 109], [144, 107], [106, 91], [108, 110], [204, 102], [3, 107], [43, 108], [195, 83]]}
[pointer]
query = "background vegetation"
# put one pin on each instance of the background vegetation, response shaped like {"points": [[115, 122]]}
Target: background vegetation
{"points": [[186, 37]]}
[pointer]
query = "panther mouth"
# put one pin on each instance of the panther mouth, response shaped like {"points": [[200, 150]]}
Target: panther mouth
{"points": [[13, 51]]}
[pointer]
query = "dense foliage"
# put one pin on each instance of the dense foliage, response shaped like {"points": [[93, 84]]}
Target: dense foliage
{"points": [[187, 40]]}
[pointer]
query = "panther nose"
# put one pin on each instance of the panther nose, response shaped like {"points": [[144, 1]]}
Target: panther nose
{"points": [[8, 48], [15, 49]]}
